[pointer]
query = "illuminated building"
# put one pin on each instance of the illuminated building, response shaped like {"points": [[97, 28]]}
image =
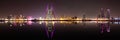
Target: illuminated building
{"points": [[65, 18], [102, 15], [50, 13], [108, 14], [29, 18]]}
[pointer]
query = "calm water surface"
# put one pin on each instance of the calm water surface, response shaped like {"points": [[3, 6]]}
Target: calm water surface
{"points": [[59, 30]]}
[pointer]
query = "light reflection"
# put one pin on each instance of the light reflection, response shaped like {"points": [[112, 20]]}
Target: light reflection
{"points": [[50, 25], [50, 28], [17, 23], [104, 27], [29, 22], [116, 22], [61, 22]]}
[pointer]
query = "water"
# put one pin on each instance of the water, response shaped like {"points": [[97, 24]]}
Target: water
{"points": [[59, 30]]}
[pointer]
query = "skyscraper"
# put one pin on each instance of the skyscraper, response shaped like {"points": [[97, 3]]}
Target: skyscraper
{"points": [[102, 15], [108, 14], [50, 13]]}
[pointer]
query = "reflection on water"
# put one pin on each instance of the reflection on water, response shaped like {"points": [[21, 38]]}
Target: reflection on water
{"points": [[105, 27], [18, 23], [50, 27]]}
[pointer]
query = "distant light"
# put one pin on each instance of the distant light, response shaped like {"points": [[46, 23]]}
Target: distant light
{"points": [[20, 24], [29, 18], [40, 22], [10, 25], [40, 18], [6, 19], [108, 30], [117, 18], [29, 22], [61, 19], [116, 22]]}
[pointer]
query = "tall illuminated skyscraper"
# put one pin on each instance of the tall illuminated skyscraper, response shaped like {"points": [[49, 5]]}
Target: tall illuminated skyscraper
{"points": [[108, 14], [102, 15], [50, 13]]}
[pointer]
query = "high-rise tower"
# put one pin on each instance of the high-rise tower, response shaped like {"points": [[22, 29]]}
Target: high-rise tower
{"points": [[50, 13], [102, 13], [108, 14]]}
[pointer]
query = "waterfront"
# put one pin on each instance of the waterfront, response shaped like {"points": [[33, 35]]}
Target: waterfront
{"points": [[59, 30]]}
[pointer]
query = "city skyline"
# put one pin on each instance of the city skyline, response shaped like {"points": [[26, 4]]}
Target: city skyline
{"points": [[37, 8]]}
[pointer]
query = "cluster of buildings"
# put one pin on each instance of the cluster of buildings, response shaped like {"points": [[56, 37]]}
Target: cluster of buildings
{"points": [[104, 15], [16, 17]]}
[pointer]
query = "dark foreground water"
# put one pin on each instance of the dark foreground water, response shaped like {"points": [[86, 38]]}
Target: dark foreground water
{"points": [[59, 30]]}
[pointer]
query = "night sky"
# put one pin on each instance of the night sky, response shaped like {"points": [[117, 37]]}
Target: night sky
{"points": [[37, 8]]}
